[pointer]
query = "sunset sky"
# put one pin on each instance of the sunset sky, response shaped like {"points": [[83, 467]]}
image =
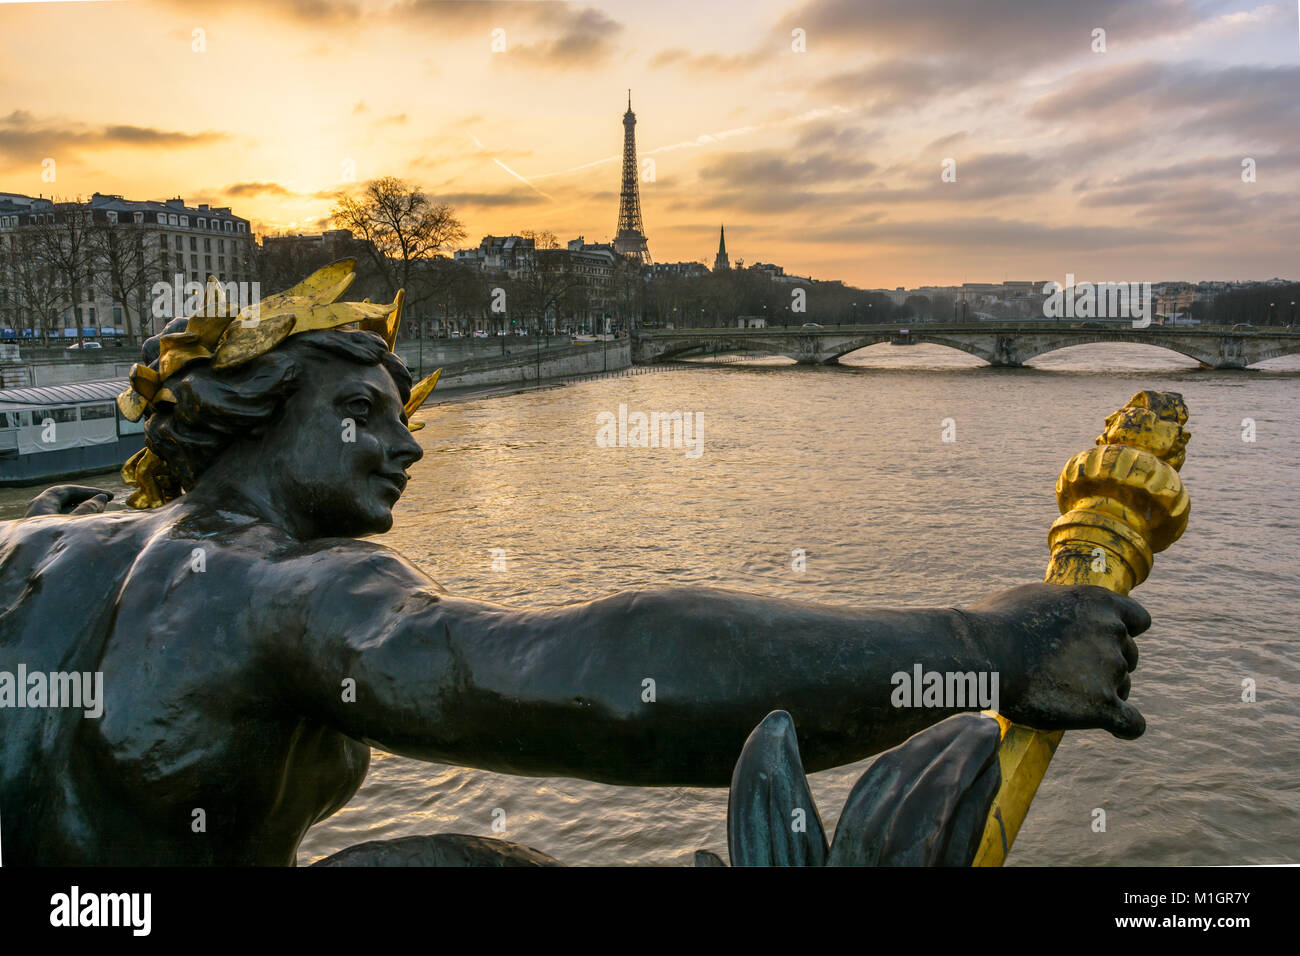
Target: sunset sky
{"points": [[1122, 165]]}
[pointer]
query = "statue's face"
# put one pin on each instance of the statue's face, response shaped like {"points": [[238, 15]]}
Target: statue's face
{"points": [[338, 455]]}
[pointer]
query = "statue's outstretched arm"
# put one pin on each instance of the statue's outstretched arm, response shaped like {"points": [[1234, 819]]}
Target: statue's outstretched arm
{"points": [[663, 686]]}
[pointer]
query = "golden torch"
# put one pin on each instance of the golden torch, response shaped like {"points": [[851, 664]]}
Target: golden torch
{"points": [[1121, 502]]}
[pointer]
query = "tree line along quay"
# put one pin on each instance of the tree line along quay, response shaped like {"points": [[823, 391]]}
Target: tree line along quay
{"points": [[75, 269]]}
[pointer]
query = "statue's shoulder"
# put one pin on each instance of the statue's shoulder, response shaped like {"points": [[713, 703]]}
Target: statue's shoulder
{"points": [[347, 564], [66, 531], [67, 551]]}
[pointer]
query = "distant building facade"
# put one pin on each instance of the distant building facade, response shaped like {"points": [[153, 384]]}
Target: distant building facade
{"points": [[315, 240], [65, 267], [508, 254], [773, 272], [662, 270]]}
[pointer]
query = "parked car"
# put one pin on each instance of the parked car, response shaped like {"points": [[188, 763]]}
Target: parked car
{"points": [[813, 325], [84, 345], [1243, 327]]}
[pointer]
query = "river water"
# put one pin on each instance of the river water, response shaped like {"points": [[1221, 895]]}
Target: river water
{"points": [[849, 464]]}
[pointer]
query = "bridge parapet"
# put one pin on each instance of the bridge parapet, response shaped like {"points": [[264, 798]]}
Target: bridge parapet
{"points": [[998, 344]]}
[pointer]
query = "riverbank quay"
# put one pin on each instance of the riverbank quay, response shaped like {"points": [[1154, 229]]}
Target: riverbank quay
{"points": [[475, 361], [454, 395]]}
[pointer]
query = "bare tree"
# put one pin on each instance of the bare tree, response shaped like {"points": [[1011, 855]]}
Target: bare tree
{"points": [[64, 246], [35, 290], [542, 238], [546, 279], [121, 254], [403, 229], [628, 290]]}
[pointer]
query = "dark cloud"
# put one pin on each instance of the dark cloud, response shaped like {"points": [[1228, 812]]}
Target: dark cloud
{"points": [[990, 32], [24, 138], [1176, 205], [1108, 89], [916, 51], [768, 201], [768, 169], [1169, 107], [834, 134], [1253, 104], [517, 197], [895, 84], [305, 12], [538, 32], [772, 182], [979, 178], [244, 190], [582, 38], [945, 141], [1213, 171], [993, 233]]}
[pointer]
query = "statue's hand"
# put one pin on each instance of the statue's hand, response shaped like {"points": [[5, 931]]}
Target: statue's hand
{"points": [[69, 500], [1064, 655]]}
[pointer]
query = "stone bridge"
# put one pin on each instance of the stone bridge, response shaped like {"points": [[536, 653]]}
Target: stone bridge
{"points": [[1000, 344]]}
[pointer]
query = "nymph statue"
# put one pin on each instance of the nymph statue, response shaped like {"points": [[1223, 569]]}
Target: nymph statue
{"points": [[255, 641]]}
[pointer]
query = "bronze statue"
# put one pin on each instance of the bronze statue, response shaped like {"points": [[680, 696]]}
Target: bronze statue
{"points": [[253, 646]]}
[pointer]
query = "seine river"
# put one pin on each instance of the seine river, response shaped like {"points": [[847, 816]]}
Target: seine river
{"points": [[849, 464]]}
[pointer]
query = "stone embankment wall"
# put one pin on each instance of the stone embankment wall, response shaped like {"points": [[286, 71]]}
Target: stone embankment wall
{"points": [[524, 367], [466, 363]]}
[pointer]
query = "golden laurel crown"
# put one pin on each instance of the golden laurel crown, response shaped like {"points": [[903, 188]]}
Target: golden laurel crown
{"points": [[227, 337]]}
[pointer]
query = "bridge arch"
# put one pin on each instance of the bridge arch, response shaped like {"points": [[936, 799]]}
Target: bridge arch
{"points": [[1196, 355], [969, 346], [1034, 346]]}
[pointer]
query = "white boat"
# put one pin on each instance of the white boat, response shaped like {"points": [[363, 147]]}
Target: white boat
{"points": [[64, 431]]}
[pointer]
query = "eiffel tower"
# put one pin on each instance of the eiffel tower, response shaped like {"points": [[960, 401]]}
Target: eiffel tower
{"points": [[630, 238]]}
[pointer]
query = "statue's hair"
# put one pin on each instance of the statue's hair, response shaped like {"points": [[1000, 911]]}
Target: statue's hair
{"points": [[214, 408]]}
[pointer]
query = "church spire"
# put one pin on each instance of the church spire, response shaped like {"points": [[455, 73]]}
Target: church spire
{"points": [[720, 262]]}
